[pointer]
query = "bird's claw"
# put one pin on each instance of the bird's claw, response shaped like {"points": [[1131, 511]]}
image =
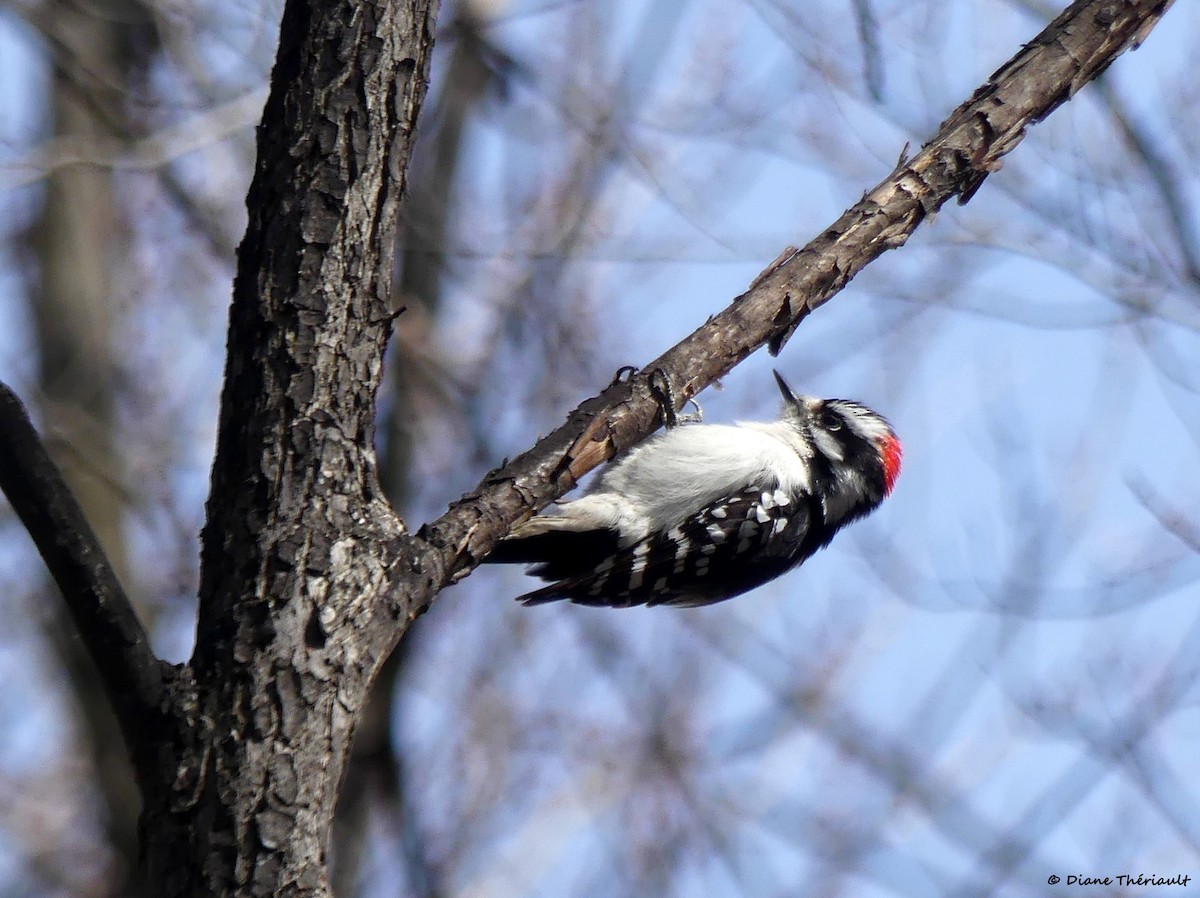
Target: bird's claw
{"points": [[623, 375], [664, 395]]}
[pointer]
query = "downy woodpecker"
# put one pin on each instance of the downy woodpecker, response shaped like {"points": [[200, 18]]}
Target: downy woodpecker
{"points": [[704, 512]]}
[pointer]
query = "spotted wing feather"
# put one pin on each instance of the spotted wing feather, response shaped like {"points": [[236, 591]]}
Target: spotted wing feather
{"points": [[730, 546]]}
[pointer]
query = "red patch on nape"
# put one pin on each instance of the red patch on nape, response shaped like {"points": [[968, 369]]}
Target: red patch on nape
{"points": [[890, 449]]}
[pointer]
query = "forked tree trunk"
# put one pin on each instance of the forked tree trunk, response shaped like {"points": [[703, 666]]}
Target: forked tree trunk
{"points": [[299, 536]]}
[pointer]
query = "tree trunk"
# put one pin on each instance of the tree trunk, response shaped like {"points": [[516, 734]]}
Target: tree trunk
{"points": [[295, 547]]}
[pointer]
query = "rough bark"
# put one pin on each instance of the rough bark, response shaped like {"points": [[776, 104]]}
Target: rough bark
{"points": [[375, 783], [308, 577], [297, 547]]}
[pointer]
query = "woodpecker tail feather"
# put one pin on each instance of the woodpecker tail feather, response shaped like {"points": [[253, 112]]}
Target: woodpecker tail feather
{"points": [[557, 553], [575, 590]]}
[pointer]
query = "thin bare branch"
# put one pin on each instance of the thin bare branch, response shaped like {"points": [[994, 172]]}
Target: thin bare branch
{"points": [[1166, 180], [137, 154], [1174, 520], [102, 613], [868, 35]]}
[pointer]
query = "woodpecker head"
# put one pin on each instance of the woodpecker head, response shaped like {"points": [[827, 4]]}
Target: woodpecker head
{"points": [[845, 432]]}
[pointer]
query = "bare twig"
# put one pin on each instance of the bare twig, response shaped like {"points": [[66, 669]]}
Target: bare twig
{"points": [[137, 154], [1173, 519], [1166, 180], [102, 613], [868, 36]]}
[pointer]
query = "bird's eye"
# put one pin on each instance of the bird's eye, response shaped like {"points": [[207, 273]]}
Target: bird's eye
{"points": [[831, 422]]}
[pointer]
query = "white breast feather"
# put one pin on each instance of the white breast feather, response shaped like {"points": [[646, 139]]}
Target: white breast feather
{"points": [[678, 472]]}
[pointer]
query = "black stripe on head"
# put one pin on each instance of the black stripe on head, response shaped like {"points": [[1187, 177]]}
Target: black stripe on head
{"points": [[847, 437]]}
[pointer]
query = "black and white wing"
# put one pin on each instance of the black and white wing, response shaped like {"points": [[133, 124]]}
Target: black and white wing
{"points": [[728, 547]]}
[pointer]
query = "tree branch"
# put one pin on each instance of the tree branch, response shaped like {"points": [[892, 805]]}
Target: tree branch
{"points": [[103, 615], [1074, 48]]}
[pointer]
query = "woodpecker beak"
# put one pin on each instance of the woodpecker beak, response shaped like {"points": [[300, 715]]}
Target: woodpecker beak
{"points": [[789, 395], [804, 403]]}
